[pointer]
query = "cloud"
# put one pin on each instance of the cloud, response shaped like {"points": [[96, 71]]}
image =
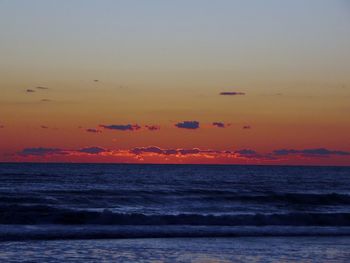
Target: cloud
{"points": [[127, 127], [157, 154], [188, 125], [46, 100], [310, 152], [220, 124], [2, 126], [247, 127], [93, 130], [231, 93], [44, 127], [251, 154], [170, 151], [157, 150], [150, 149], [153, 127], [41, 151], [92, 150], [189, 151], [246, 152], [199, 153], [39, 88]]}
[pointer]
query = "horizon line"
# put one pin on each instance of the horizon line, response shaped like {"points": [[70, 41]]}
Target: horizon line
{"points": [[183, 164]]}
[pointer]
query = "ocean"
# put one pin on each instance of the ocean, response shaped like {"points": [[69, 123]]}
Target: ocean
{"points": [[210, 212]]}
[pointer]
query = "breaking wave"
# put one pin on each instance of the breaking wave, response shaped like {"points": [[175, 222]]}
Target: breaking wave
{"points": [[41, 214]]}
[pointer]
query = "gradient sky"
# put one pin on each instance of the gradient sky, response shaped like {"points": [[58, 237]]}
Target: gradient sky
{"points": [[127, 81]]}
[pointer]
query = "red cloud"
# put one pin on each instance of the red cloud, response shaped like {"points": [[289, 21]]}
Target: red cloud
{"points": [[153, 127], [154, 154], [92, 130]]}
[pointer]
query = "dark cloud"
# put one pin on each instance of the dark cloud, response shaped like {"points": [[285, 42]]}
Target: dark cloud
{"points": [[220, 124], [2, 126], [150, 149], [310, 152], [127, 127], [153, 127], [157, 150], [189, 151], [231, 93], [93, 130], [36, 89], [92, 150], [251, 154], [247, 127], [170, 151], [44, 127], [46, 100], [246, 152], [188, 125], [41, 151], [285, 152]]}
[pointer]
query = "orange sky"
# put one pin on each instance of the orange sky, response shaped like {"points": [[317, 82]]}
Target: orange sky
{"points": [[64, 74]]}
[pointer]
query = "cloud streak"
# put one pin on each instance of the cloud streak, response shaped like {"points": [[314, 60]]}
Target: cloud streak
{"points": [[310, 152], [169, 152], [232, 93], [156, 154], [122, 127], [191, 125], [153, 127], [220, 124], [92, 130], [93, 150], [42, 151]]}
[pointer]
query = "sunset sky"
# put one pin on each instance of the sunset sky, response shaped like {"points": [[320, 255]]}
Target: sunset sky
{"points": [[188, 81]]}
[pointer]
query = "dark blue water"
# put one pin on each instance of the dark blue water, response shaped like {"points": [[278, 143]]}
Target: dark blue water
{"points": [[43, 201]]}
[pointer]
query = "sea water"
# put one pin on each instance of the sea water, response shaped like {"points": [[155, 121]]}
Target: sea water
{"points": [[181, 204]]}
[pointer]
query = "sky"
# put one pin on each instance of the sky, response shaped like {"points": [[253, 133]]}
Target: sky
{"points": [[188, 81]]}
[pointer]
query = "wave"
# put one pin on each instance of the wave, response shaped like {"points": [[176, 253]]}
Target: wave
{"points": [[52, 232], [129, 196], [41, 214], [299, 198], [223, 195], [26, 174]]}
